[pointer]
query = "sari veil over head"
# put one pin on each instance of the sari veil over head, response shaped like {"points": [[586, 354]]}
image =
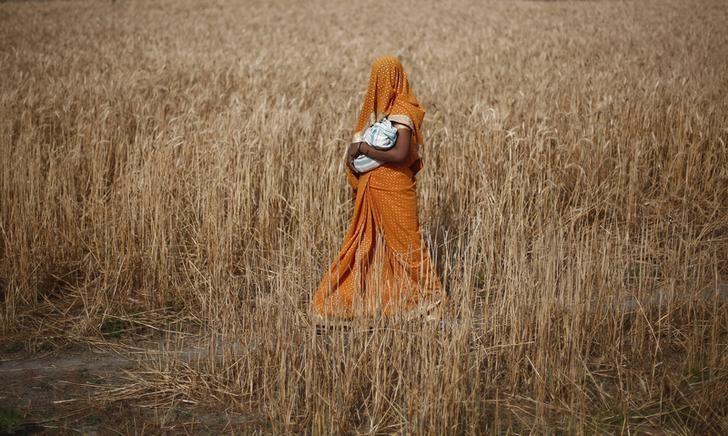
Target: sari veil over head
{"points": [[389, 95]]}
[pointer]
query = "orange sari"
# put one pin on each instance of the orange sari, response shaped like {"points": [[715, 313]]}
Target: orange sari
{"points": [[383, 266]]}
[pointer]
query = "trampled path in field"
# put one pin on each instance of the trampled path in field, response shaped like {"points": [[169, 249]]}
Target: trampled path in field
{"points": [[99, 360], [53, 392], [56, 392]]}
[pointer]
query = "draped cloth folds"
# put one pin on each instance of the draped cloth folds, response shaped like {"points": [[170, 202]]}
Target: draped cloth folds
{"points": [[389, 95], [383, 267]]}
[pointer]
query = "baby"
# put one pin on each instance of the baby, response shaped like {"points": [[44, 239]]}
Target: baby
{"points": [[381, 135]]}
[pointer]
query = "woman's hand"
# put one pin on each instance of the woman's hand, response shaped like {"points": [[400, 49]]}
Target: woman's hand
{"points": [[351, 153]]}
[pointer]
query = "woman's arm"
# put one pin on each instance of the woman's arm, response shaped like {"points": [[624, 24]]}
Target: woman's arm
{"points": [[396, 154], [351, 153]]}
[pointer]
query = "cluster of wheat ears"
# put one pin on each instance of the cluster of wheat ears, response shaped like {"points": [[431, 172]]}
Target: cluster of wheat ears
{"points": [[180, 165]]}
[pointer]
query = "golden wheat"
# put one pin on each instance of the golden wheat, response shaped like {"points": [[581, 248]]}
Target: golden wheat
{"points": [[188, 155]]}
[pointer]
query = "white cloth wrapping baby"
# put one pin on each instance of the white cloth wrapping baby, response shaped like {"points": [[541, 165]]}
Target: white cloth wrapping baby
{"points": [[381, 135]]}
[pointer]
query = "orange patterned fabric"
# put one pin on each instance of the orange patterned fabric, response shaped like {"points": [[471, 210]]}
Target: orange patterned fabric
{"points": [[383, 266], [389, 94]]}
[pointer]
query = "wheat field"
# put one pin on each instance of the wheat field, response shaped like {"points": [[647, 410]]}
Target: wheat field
{"points": [[178, 165]]}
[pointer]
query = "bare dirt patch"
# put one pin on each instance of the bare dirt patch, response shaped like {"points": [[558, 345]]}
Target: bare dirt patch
{"points": [[58, 393]]}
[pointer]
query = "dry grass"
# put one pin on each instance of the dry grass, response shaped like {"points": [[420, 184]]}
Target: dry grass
{"points": [[182, 160]]}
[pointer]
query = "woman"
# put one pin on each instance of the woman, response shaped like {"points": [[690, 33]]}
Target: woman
{"points": [[383, 266]]}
